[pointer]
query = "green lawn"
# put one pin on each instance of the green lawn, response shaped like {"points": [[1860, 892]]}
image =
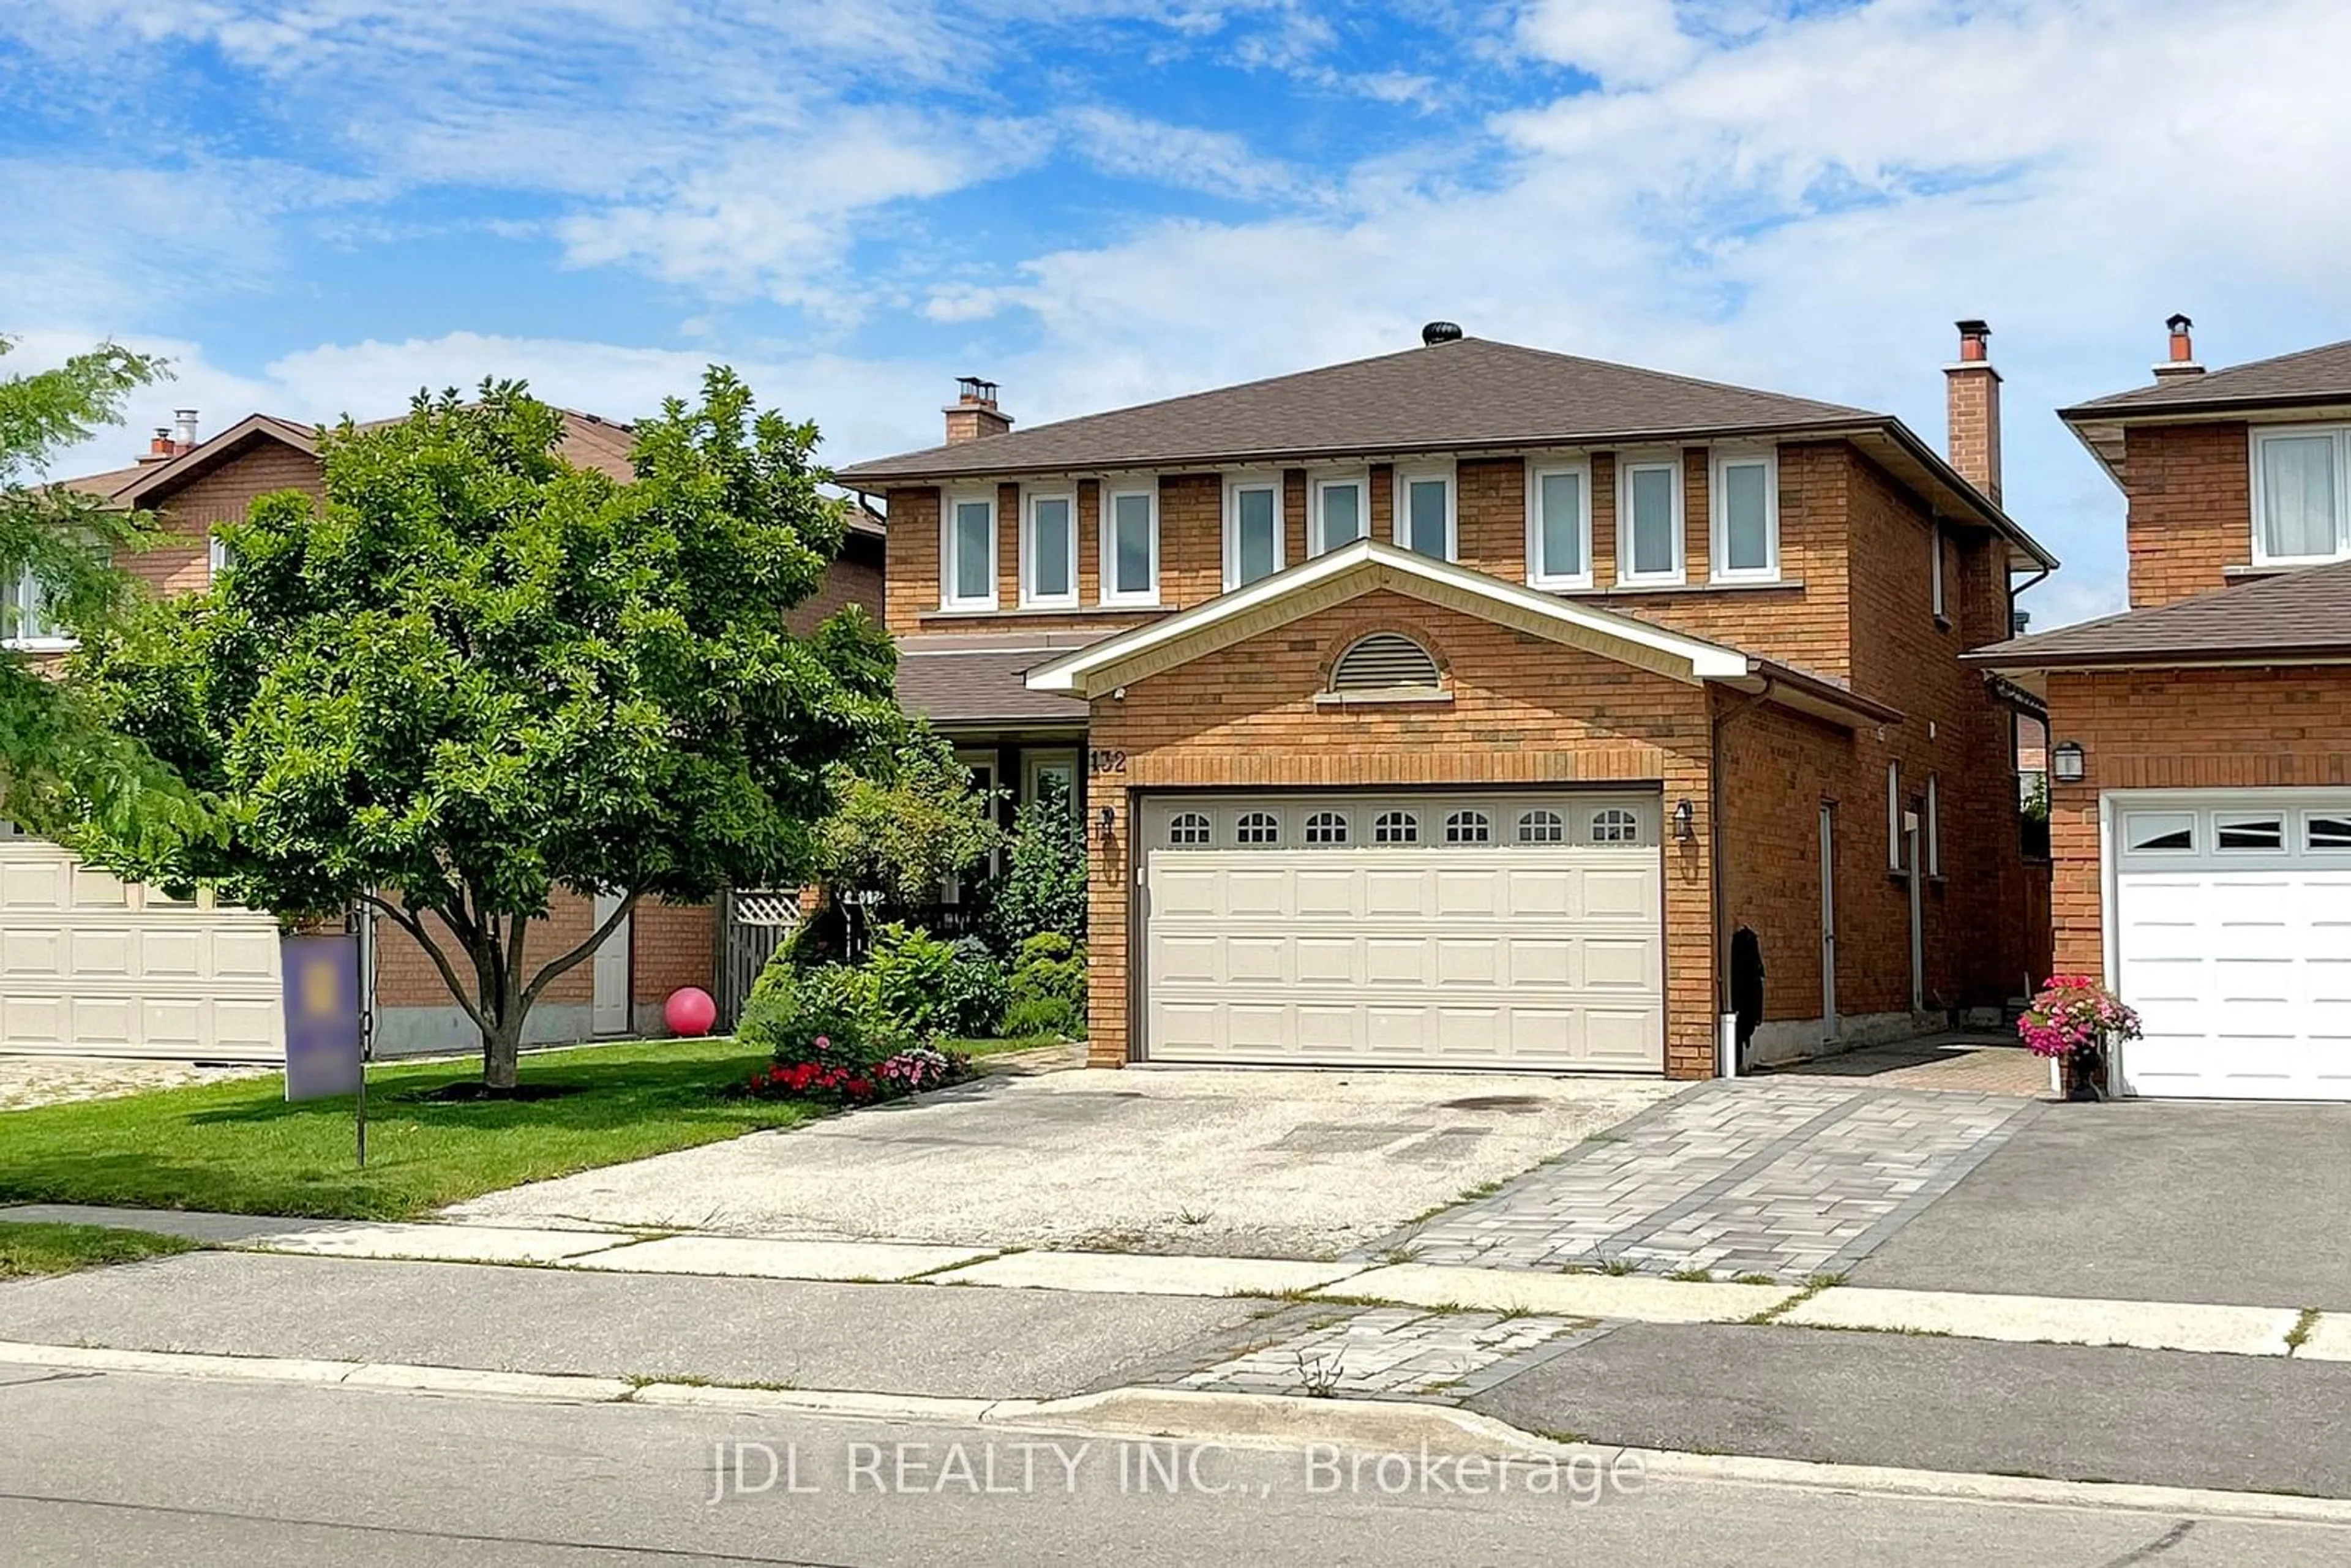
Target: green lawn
{"points": [[238, 1146], [29, 1250], [998, 1047]]}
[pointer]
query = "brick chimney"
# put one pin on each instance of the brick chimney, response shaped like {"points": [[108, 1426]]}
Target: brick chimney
{"points": [[173, 439], [973, 414], [1974, 387], [2180, 360]]}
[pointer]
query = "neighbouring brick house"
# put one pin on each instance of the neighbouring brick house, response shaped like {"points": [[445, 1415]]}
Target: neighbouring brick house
{"points": [[215, 993], [2201, 765], [1481, 706]]}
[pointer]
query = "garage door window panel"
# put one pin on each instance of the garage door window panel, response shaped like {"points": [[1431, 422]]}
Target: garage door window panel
{"points": [[1396, 827], [1257, 827], [1188, 830], [2160, 833], [1326, 828], [1468, 828], [2236, 834], [2326, 832], [1616, 826], [1541, 828]]}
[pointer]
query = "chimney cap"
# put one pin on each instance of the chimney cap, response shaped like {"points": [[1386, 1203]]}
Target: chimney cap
{"points": [[1973, 326], [1437, 333], [2177, 321], [976, 389]]}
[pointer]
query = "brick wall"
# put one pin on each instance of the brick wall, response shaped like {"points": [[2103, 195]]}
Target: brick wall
{"points": [[1525, 711], [2191, 508], [674, 946], [184, 564], [1778, 768], [2220, 729]]}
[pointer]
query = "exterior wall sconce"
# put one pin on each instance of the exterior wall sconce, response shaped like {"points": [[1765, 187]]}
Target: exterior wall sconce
{"points": [[2067, 763], [1102, 823], [1684, 831]]}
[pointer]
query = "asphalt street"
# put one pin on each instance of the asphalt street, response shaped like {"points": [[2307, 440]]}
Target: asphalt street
{"points": [[116, 1469]]}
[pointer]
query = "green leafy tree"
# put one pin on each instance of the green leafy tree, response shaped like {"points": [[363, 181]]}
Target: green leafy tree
{"points": [[903, 828], [477, 675], [1044, 883], [60, 762]]}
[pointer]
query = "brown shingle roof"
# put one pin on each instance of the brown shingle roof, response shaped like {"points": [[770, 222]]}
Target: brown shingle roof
{"points": [[1450, 396], [962, 679], [2298, 614], [2310, 375]]}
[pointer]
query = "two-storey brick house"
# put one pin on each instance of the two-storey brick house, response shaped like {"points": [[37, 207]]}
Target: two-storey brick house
{"points": [[91, 966], [2201, 765], [1485, 706]]}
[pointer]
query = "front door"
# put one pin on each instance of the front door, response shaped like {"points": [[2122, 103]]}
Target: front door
{"points": [[610, 1012]]}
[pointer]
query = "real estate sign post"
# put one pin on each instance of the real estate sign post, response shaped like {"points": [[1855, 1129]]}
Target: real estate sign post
{"points": [[323, 1059]]}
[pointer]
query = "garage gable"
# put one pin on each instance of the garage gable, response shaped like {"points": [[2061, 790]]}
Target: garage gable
{"points": [[1368, 566]]}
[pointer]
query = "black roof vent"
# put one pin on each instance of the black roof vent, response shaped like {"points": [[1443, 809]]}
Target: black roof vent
{"points": [[1437, 333]]}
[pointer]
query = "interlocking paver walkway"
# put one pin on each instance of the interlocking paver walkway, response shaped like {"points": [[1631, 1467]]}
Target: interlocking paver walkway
{"points": [[1782, 1177], [1398, 1352]]}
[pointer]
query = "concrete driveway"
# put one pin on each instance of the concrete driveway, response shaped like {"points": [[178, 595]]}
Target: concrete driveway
{"points": [[1246, 1163], [2144, 1200]]}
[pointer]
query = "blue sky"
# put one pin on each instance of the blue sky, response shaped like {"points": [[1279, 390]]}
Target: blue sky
{"points": [[318, 208]]}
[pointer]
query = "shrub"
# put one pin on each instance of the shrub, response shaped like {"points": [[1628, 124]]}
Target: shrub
{"points": [[932, 988], [792, 1010], [1048, 992], [1043, 888]]}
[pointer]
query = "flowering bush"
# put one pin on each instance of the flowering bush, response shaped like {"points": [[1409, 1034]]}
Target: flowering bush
{"points": [[844, 1082], [2074, 1013]]}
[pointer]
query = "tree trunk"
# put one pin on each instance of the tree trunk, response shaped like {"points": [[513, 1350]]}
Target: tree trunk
{"points": [[501, 1050]]}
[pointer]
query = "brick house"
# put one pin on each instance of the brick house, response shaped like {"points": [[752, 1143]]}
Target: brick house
{"points": [[212, 989], [1486, 706], [2200, 769]]}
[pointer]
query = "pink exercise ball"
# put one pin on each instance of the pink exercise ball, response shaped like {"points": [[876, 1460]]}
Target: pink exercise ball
{"points": [[690, 1011]]}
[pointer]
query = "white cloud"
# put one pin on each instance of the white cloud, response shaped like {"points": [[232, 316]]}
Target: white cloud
{"points": [[1616, 41]]}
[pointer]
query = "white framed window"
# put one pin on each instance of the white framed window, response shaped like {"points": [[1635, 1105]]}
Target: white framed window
{"points": [[1894, 816], [967, 552], [1649, 520], [1188, 830], [216, 554], [1616, 825], [28, 622], [1035, 766], [1049, 549], [1257, 827], [1541, 827], [1743, 517], [1130, 544], [1341, 512], [1559, 525], [1468, 828], [2302, 476], [1396, 827], [1326, 828], [1252, 529], [1934, 829], [1935, 570], [1425, 521], [2327, 830]]}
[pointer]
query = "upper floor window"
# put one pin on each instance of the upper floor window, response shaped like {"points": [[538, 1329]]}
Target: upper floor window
{"points": [[1130, 546], [216, 554], [1935, 570], [1649, 522], [1558, 526], [967, 554], [2299, 485], [1424, 513], [1744, 518], [1341, 512], [1048, 550], [1253, 530], [25, 618]]}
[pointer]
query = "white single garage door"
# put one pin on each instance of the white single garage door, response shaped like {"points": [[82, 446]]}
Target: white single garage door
{"points": [[90, 966], [2232, 938], [1409, 931]]}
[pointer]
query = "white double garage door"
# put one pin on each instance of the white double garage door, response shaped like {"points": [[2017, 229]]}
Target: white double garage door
{"points": [[91, 966], [2229, 930], [1409, 930]]}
